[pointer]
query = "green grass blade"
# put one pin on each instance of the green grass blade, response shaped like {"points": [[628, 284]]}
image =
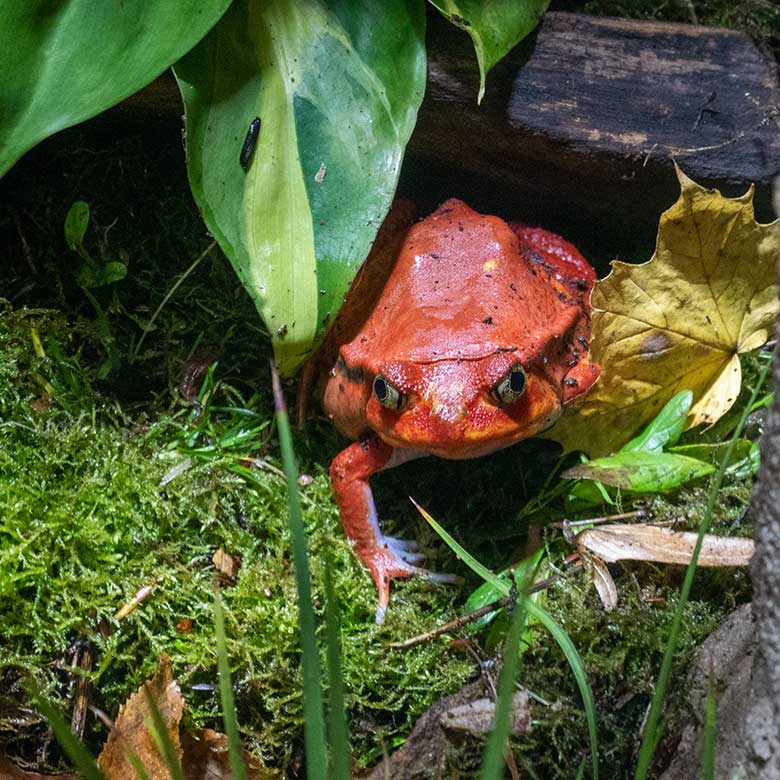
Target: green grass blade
{"points": [[544, 617], [314, 728], [580, 675], [651, 737], [493, 762], [237, 768], [137, 765], [708, 751], [162, 739], [501, 585], [74, 749], [341, 761]]}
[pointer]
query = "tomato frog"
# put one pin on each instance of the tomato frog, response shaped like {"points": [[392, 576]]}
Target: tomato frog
{"points": [[474, 336]]}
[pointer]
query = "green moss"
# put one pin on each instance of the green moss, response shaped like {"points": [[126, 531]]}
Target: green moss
{"points": [[621, 651], [86, 524], [760, 18]]}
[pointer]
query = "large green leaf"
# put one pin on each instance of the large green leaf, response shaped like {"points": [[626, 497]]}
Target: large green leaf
{"points": [[337, 87], [63, 62], [495, 26]]}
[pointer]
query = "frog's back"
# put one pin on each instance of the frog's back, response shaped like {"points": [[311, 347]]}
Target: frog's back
{"points": [[464, 286]]}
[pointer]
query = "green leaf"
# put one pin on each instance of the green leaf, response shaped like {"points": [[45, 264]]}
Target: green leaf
{"points": [[114, 271], [710, 714], [313, 713], [493, 759], [583, 493], [162, 739], [749, 465], [76, 223], [713, 453], [337, 88], [64, 62], [642, 472], [744, 461], [137, 765], [229, 714], [666, 428], [89, 276], [495, 26], [765, 400], [338, 731]]}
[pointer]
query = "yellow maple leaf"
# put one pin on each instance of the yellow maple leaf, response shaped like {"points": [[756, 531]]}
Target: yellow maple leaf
{"points": [[679, 321]]}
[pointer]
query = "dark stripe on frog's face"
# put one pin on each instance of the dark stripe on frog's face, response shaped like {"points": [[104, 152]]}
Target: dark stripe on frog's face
{"points": [[352, 373]]}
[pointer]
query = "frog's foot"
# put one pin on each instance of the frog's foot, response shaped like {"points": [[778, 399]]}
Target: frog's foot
{"points": [[392, 559], [580, 379]]}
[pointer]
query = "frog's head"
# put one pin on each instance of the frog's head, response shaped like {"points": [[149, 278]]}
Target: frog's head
{"points": [[458, 408], [475, 342]]}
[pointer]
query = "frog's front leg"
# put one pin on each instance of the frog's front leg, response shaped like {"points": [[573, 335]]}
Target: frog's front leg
{"points": [[385, 556]]}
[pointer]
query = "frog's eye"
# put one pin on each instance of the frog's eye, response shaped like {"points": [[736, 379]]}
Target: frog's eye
{"points": [[511, 386], [386, 394]]}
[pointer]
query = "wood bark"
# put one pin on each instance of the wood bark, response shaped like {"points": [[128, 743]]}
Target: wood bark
{"points": [[762, 724]]}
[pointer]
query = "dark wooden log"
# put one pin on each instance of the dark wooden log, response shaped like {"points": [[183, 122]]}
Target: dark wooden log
{"points": [[582, 123]]}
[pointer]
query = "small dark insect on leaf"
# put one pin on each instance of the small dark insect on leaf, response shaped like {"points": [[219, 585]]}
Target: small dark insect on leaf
{"points": [[248, 149]]}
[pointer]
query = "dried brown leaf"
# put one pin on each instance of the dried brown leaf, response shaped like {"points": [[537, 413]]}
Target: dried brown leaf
{"points": [[605, 585], [227, 565], [662, 545], [206, 757], [131, 733]]}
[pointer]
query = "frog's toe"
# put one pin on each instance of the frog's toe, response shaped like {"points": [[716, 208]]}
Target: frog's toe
{"points": [[445, 579], [401, 544], [402, 549]]}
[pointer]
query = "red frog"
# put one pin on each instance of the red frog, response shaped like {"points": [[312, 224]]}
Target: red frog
{"points": [[475, 340]]}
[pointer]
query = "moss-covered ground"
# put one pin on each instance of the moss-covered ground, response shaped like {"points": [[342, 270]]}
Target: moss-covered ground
{"points": [[110, 482]]}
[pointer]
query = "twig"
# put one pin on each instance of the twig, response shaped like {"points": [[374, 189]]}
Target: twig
{"points": [[771, 113], [463, 620], [705, 109], [599, 520], [25, 246], [82, 659], [167, 297]]}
